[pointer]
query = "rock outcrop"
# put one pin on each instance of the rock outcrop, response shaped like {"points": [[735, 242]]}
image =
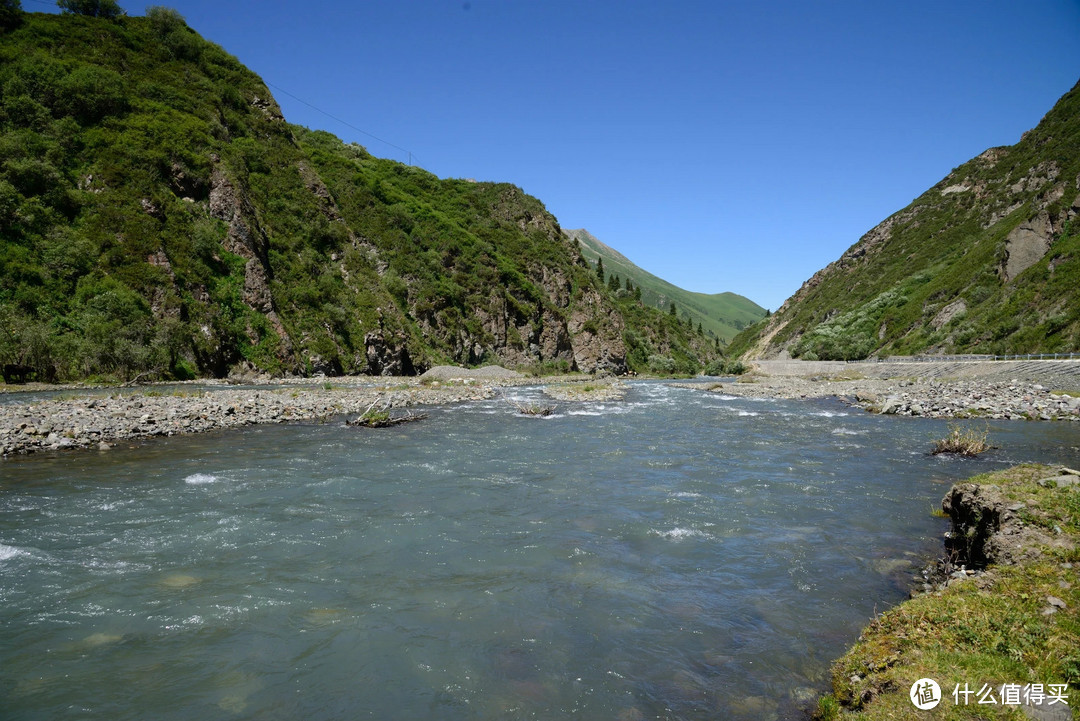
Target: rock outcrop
{"points": [[246, 238], [1026, 245]]}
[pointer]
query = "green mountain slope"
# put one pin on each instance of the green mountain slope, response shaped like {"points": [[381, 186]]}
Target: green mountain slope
{"points": [[721, 315], [159, 218], [986, 261]]}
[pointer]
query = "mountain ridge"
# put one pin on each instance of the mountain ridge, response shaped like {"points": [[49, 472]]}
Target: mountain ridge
{"points": [[987, 260], [722, 315], [161, 219]]}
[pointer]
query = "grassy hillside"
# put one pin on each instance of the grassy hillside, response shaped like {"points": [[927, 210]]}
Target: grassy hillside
{"points": [[721, 315], [160, 219], [986, 261]]}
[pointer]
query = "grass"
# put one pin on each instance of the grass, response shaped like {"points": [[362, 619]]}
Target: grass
{"points": [[533, 409], [721, 314], [992, 629], [967, 442]]}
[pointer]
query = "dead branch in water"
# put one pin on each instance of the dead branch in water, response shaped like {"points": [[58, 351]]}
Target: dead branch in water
{"points": [[533, 409], [381, 418]]}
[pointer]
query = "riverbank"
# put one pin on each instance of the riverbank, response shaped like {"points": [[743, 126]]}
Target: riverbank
{"points": [[133, 414], [957, 398], [124, 414], [1007, 617]]}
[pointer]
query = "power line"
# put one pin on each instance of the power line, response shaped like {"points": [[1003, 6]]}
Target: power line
{"points": [[345, 122]]}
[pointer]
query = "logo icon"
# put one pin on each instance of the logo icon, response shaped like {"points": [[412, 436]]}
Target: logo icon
{"points": [[925, 694]]}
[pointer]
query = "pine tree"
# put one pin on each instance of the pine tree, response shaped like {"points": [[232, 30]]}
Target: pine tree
{"points": [[600, 268], [674, 313], [614, 283]]}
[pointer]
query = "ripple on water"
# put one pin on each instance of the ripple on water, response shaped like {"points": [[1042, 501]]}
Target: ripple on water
{"points": [[657, 563], [9, 552], [201, 479]]}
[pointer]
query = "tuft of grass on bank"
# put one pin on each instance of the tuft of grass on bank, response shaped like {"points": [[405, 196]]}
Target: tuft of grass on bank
{"points": [[1015, 624], [533, 409], [967, 442]]}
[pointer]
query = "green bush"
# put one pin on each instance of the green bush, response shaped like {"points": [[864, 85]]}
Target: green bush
{"points": [[735, 368], [90, 93], [716, 368], [92, 8], [10, 14], [661, 364]]}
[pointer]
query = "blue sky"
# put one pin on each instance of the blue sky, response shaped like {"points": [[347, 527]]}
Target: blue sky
{"points": [[721, 145]]}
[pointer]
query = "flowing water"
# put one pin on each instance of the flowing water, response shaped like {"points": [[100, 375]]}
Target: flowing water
{"points": [[675, 555]]}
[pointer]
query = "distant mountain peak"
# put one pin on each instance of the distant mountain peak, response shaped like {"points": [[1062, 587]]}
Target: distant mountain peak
{"points": [[722, 315]]}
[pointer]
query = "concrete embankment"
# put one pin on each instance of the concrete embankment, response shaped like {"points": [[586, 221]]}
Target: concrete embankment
{"points": [[1051, 373], [1033, 390]]}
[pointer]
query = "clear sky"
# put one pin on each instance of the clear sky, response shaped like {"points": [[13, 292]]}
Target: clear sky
{"points": [[720, 145]]}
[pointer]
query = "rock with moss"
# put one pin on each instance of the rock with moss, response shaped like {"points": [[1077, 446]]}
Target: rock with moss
{"points": [[1006, 609]]}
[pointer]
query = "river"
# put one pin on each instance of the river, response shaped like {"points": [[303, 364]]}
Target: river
{"points": [[676, 555]]}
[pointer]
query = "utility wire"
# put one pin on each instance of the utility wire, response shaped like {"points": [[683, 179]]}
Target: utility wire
{"points": [[344, 122]]}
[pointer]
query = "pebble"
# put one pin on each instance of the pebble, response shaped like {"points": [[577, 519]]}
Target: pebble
{"points": [[926, 398], [100, 422]]}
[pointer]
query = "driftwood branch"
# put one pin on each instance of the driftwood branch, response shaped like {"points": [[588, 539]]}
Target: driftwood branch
{"points": [[381, 418]]}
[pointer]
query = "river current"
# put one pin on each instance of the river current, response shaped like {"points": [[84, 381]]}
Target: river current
{"points": [[676, 555]]}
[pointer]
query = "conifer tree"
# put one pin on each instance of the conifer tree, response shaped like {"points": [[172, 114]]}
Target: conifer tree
{"points": [[600, 268]]}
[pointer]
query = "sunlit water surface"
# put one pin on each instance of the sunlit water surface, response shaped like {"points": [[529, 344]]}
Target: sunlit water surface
{"points": [[676, 555]]}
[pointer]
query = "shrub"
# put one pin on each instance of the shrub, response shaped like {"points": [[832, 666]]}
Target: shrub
{"points": [[725, 368], [172, 30], [735, 368], [10, 14], [107, 9], [661, 364], [164, 20], [92, 8], [91, 93]]}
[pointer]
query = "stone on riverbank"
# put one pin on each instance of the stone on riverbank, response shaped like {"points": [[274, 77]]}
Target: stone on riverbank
{"points": [[929, 398]]}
